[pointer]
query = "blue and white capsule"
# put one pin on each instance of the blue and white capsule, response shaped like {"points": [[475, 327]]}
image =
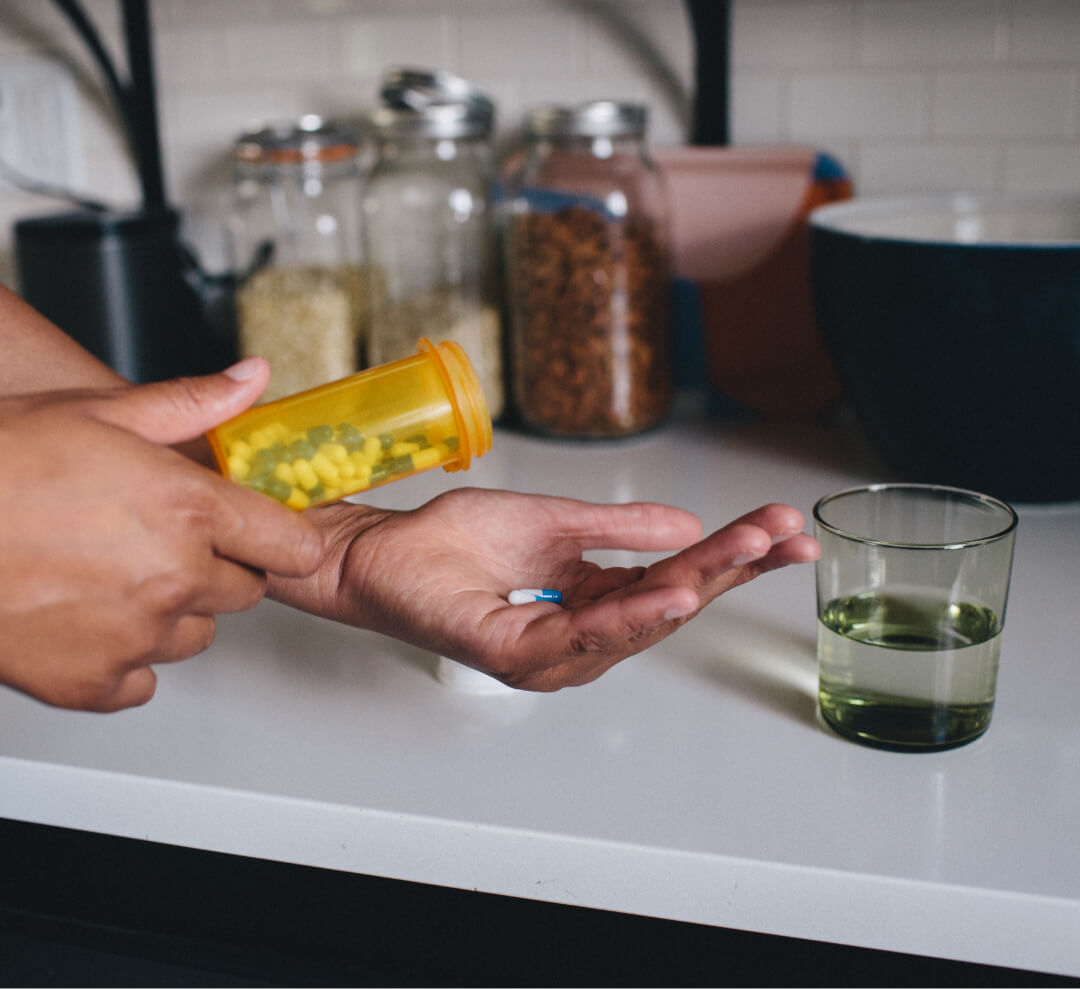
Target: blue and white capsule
{"points": [[526, 595]]}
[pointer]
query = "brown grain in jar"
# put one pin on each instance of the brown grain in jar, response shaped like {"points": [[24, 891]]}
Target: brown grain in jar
{"points": [[588, 277]]}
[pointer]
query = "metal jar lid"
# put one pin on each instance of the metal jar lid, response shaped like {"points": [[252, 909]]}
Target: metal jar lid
{"points": [[311, 138], [599, 118], [431, 104], [417, 89]]}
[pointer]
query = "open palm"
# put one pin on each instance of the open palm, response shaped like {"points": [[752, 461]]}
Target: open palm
{"points": [[438, 577]]}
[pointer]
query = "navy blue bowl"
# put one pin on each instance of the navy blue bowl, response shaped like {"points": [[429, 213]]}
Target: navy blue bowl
{"points": [[954, 324]]}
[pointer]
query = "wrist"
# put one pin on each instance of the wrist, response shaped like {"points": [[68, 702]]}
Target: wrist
{"points": [[328, 592]]}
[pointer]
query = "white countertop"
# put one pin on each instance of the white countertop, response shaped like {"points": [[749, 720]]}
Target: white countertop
{"points": [[692, 782]]}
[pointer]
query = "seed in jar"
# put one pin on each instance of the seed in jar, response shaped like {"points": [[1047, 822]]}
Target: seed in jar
{"points": [[309, 322], [590, 303]]}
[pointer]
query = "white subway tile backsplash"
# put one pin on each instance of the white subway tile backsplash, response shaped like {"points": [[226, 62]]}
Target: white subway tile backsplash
{"points": [[887, 168], [910, 95], [367, 45], [930, 32], [534, 38], [639, 38], [756, 111], [856, 103], [1046, 31], [1006, 103], [793, 33], [190, 56], [1039, 168], [278, 52]]}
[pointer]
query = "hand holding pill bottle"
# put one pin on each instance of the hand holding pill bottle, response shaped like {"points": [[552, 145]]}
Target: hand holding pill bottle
{"points": [[380, 425], [119, 551]]}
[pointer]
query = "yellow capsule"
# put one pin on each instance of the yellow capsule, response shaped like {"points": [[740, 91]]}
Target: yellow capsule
{"points": [[334, 452], [320, 463], [372, 450], [284, 472], [356, 484], [240, 449], [423, 459], [239, 468], [277, 430], [347, 469], [331, 494], [260, 439], [401, 449], [298, 500], [305, 476], [363, 468]]}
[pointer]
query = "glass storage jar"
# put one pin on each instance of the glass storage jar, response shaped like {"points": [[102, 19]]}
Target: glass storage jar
{"points": [[302, 301], [428, 227], [586, 243]]}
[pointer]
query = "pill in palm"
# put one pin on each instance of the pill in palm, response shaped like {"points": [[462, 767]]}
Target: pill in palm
{"points": [[526, 595]]}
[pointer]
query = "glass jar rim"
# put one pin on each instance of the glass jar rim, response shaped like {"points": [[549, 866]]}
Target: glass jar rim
{"points": [[438, 121], [597, 118], [308, 138], [1009, 518]]}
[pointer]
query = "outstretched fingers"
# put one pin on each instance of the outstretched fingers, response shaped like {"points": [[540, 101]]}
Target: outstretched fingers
{"points": [[574, 647], [766, 539]]}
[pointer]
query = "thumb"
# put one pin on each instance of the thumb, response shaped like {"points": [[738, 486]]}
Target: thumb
{"points": [[181, 409]]}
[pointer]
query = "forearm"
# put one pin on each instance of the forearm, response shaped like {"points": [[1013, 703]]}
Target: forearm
{"points": [[38, 356]]}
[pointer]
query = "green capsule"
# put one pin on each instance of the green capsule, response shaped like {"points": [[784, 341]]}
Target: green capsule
{"points": [[278, 488], [264, 461], [419, 439], [400, 465], [386, 440], [303, 450], [282, 454], [350, 437], [451, 443], [379, 473]]}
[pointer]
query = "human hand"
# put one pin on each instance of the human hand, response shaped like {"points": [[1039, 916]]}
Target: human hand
{"points": [[118, 551], [438, 577]]}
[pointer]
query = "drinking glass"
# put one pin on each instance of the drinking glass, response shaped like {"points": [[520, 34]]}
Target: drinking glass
{"points": [[912, 585]]}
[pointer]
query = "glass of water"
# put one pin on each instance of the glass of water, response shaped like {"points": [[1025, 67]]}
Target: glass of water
{"points": [[912, 585]]}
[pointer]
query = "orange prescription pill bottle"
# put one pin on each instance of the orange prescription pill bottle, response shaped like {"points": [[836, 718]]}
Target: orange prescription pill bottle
{"points": [[380, 425]]}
